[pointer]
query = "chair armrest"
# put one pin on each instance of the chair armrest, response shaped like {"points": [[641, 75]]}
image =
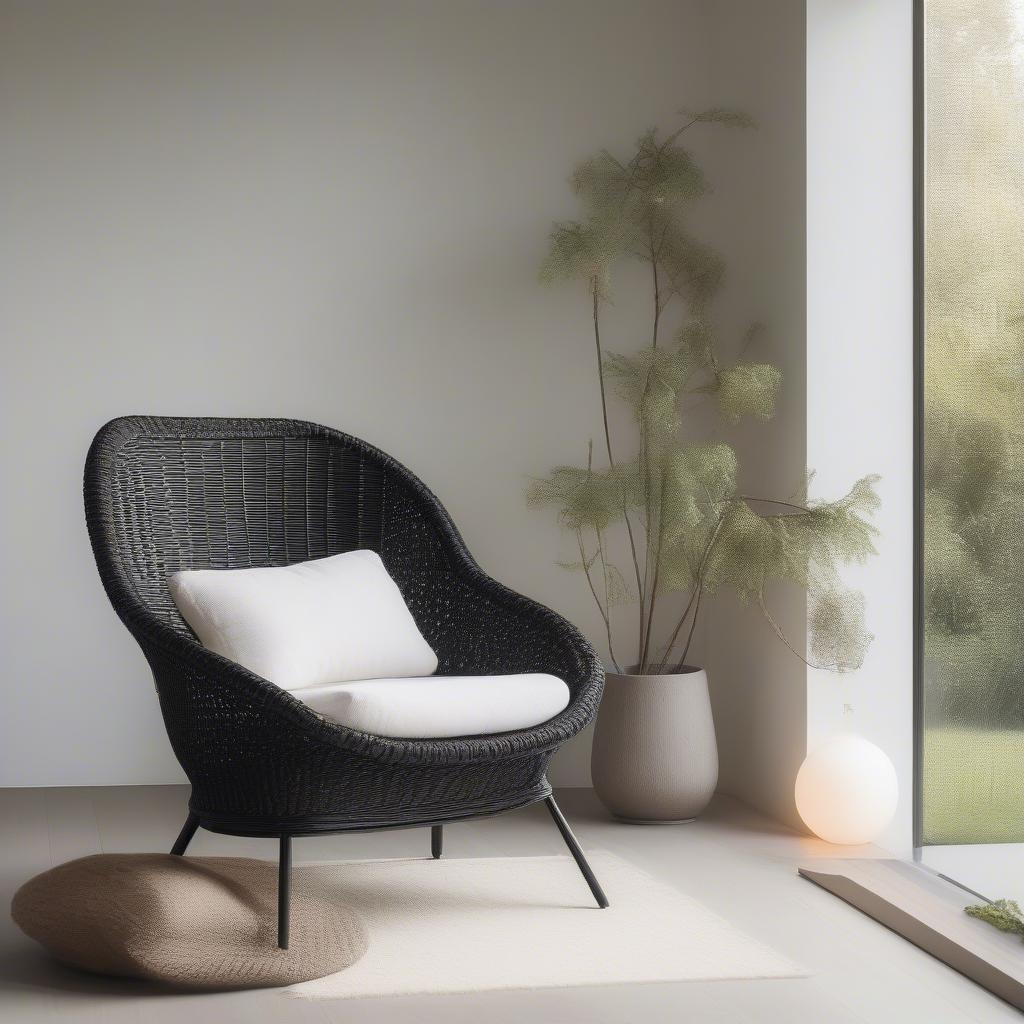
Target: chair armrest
{"points": [[492, 630], [476, 625], [225, 721]]}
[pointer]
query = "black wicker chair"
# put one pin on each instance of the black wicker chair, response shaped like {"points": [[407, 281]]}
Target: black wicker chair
{"points": [[167, 494]]}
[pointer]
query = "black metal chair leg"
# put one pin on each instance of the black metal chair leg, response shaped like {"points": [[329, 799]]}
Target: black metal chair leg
{"points": [[577, 853], [436, 841], [188, 830], [284, 885]]}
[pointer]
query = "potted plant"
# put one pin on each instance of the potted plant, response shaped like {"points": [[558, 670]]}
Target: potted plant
{"points": [[685, 527]]}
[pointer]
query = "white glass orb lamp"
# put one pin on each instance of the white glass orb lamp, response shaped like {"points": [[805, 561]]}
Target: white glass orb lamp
{"points": [[846, 790]]}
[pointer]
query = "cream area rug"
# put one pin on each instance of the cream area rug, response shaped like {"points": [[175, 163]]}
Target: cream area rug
{"points": [[526, 922]]}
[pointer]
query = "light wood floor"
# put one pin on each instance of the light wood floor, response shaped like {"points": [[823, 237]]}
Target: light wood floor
{"points": [[737, 863]]}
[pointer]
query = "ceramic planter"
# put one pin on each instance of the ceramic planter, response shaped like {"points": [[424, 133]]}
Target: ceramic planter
{"points": [[655, 759]]}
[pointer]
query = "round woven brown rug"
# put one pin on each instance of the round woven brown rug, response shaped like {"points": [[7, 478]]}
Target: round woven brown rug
{"points": [[197, 922]]}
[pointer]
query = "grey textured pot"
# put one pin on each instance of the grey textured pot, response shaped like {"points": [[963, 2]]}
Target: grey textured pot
{"points": [[655, 759]]}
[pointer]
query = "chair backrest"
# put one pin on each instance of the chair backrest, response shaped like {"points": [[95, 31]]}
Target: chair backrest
{"points": [[170, 494]]}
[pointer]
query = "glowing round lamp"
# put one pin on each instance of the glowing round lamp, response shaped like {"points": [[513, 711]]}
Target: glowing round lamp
{"points": [[846, 791]]}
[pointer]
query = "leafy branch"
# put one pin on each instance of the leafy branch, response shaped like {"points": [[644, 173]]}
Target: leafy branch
{"points": [[690, 530], [1002, 914]]}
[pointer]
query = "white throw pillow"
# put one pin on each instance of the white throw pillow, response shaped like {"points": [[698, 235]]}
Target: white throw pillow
{"points": [[324, 621]]}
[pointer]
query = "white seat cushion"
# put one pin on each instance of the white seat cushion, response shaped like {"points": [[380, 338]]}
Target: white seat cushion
{"points": [[307, 624], [433, 707]]}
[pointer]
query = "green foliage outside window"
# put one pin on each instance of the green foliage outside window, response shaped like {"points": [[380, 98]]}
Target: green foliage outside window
{"points": [[974, 388], [973, 464]]}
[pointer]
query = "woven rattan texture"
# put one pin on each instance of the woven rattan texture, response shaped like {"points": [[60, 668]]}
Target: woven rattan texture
{"points": [[163, 494]]}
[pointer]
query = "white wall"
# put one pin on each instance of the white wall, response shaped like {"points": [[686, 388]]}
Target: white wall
{"points": [[333, 211], [759, 688], [859, 346], [815, 220]]}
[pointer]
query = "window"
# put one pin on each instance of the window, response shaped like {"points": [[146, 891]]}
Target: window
{"points": [[971, 466]]}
